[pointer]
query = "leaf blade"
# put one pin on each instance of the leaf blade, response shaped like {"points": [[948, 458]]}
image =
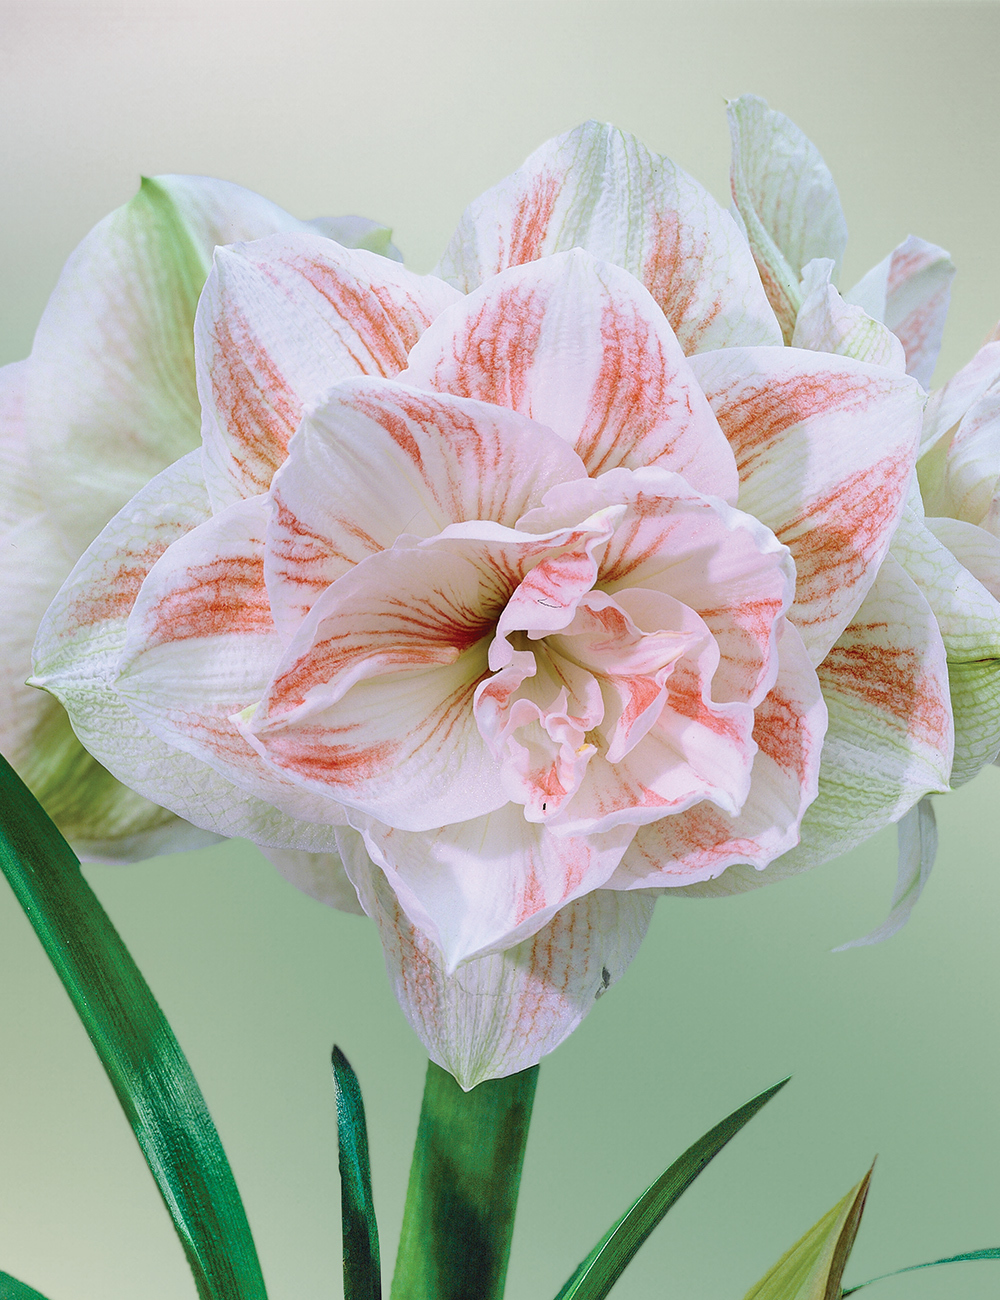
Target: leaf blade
{"points": [[989, 1252], [362, 1267], [136, 1046], [812, 1268], [599, 1271], [12, 1289]]}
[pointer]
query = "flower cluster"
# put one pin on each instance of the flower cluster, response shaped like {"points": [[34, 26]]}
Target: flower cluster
{"points": [[590, 567]]}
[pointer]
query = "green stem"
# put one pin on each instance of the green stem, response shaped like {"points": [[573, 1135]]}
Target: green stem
{"points": [[463, 1187]]}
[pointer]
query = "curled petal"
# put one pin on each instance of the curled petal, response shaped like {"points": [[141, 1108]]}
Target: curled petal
{"points": [[890, 737], [580, 346], [599, 189], [701, 842], [282, 320]]}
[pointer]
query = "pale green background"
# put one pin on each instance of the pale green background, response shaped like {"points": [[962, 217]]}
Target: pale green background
{"points": [[405, 112]]}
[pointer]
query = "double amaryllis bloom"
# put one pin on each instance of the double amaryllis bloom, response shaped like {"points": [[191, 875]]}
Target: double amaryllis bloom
{"points": [[524, 592]]}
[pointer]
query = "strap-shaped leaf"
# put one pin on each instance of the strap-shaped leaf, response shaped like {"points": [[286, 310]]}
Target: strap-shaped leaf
{"points": [[462, 1193], [991, 1252], [136, 1046], [362, 1270], [812, 1269], [12, 1289], [601, 1269]]}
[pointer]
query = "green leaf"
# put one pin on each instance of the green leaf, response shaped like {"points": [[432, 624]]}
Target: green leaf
{"points": [[991, 1252], [462, 1193], [602, 1268], [812, 1269], [136, 1046], [362, 1271], [12, 1289]]}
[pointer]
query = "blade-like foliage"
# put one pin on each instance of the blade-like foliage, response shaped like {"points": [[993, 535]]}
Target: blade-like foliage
{"points": [[601, 1269], [12, 1289], [814, 1266], [136, 1046], [991, 1252], [362, 1270], [462, 1192]]}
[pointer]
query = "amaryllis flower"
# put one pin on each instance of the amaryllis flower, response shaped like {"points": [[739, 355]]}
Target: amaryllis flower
{"points": [[105, 401], [530, 598]]}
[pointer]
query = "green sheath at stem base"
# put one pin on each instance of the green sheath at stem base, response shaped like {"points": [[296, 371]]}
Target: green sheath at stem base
{"points": [[463, 1187]]}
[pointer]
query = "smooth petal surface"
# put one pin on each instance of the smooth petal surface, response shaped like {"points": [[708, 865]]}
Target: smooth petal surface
{"points": [[280, 322], [826, 323], [579, 345], [910, 291], [701, 842], [320, 875], [502, 1013], [79, 649], [599, 189], [890, 738], [787, 200], [112, 365], [378, 459], [825, 448], [484, 885]]}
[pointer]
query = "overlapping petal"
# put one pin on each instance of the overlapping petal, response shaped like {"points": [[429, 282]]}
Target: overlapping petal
{"points": [[500, 1013], [826, 323], [599, 189], [377, 460], [890, 736], [79, 650], [910, 290], [701, 842], [825, 448], [786, 198], [282, 320], [580, 346]]}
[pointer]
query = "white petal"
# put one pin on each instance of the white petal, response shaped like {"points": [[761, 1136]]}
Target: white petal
{"points": [[502, 1013], [281, 321], [786, 197], [320, 875], [917, 836], [599, 189], [826, 323]]}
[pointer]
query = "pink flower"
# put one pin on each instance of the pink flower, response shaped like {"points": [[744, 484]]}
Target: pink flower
{"points": [[529, 601]]}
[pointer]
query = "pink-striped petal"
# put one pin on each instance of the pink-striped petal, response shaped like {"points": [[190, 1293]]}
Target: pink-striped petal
{"points": [[281, 320], [947, 405], [487, 884], [580, 346], [890, 736], [77, 656], [720, 562], [910, 290], [825, 447], [599, 189], [502, 1013], [378, 459], [200, 646], [702, 841]]}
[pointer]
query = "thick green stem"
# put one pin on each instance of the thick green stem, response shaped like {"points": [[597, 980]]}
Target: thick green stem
{"points": [[462, 1194]]}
